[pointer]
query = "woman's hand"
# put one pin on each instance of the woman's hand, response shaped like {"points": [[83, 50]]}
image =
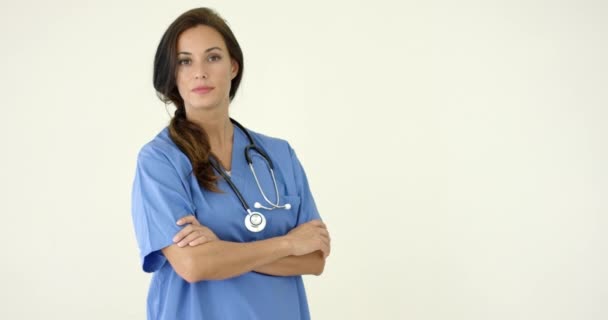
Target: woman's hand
{"points": [[194, 233], [309, 237]]}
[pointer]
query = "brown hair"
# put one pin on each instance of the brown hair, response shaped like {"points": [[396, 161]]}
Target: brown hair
{"points": [[188, 136]]}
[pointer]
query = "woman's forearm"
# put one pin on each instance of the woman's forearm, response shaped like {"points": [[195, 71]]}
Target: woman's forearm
{"points": [[312, 263], [216, 260]]}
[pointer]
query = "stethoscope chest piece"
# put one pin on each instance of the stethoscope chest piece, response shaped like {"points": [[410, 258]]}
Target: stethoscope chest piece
{"points": [[255, 221]]}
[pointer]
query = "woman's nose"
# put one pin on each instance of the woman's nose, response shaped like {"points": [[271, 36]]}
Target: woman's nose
{"points": [[200, 75], [200, 72]]}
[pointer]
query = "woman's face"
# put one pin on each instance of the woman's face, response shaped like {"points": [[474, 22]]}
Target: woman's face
{"points": [[203, 61]]}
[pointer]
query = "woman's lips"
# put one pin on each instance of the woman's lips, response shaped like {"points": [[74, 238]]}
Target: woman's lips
{"points": [[202, 89]]}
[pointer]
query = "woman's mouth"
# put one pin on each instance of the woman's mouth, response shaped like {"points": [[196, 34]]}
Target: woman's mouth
{"points": [[202, 89]]}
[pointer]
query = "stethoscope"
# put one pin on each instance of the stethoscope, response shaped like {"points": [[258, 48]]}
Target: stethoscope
{"points": [[254, 221]]}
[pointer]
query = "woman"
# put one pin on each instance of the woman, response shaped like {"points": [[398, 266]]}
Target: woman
{"points": [[213, 254]]}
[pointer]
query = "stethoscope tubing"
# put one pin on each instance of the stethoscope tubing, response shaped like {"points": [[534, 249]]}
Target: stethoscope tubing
{"points": [[254, 147]]}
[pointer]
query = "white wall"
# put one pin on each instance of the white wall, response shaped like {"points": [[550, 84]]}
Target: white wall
{"points": [[457, 151]]}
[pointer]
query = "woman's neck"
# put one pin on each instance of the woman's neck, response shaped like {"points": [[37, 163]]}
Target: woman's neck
{"points": [[217, 125], [219, 129]]}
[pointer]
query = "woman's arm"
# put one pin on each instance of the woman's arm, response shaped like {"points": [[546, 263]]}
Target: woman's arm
{"points": [[217, 259], [312, 263]]}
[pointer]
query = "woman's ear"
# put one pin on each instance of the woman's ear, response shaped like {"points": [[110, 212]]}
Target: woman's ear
{"points": [[234, 68]]}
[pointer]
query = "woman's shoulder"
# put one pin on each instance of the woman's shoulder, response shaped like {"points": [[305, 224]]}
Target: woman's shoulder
{"points": [[161, 146], [270, 142]]}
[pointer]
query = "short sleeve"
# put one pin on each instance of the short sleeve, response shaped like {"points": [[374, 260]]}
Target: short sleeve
{"points": [[159, 198], [308, 208]]}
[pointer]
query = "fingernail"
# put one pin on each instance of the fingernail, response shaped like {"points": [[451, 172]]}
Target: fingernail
{"points": [[179, 222]]}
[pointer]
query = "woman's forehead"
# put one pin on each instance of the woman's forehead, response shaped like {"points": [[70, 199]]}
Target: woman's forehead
{"points": [[200, 39]]}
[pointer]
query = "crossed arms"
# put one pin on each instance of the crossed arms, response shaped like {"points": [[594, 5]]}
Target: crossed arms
{"points": [[198, 254]]}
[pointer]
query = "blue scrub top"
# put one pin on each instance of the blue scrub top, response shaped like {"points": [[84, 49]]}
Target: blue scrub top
{"points": [[164, 190]]}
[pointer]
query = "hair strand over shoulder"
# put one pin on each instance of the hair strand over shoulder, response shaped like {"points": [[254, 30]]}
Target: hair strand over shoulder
{"points": [[188, 136]]}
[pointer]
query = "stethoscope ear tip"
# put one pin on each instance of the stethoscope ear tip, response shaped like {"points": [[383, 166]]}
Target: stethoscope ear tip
{"points": [[257, 205], [288, 206]]}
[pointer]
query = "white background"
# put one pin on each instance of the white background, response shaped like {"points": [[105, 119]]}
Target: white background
{"points": [[457, 151]]}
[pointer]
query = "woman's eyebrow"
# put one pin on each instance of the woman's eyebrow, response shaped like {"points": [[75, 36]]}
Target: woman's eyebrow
{"points": [[185, 52]]}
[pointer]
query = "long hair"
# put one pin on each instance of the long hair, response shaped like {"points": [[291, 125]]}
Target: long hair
{"points": [[188, 136]]}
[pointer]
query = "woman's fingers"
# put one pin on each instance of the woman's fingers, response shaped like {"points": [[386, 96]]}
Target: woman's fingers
{"points": [[326, 250], [183, 233], [191, 221], [318, 223], [193, 236], [325, 243], [188, 219], [198, 241], [310, 236], [196, 234], [324, 233]]}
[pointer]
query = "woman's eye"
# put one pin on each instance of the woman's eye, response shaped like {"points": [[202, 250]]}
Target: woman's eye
{"points": [[183, 61], [214, 58]]}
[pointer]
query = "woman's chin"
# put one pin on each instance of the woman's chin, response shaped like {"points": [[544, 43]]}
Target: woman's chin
{"points": [[201, 106]]}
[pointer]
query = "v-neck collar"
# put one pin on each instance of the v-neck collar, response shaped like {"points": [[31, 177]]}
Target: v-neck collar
{"points": [[232, 154], [236, 150]]}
